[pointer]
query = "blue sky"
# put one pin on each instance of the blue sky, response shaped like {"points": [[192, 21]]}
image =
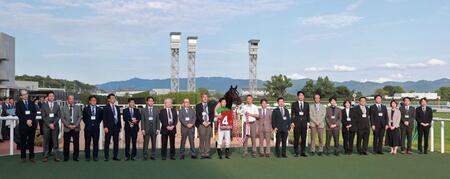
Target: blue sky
{"points": [[97, 41]]}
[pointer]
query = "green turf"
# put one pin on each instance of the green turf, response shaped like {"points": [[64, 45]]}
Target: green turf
{"points": [[355, 166]]}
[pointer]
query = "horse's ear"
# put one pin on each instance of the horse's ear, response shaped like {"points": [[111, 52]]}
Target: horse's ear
{"points": [[235, 87], [231, 86]]}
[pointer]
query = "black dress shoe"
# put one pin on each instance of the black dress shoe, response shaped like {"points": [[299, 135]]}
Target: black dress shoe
{"points": [[312, 154], [364, 153], [164, 158], [66, 159], [126, 158], [116, 159], [182, 157], [426, 152], [75, 159], [87, 159], [193, 157], [152, 158], [106, 159], [296, 155], [284, 156], [303, 155], [133, 159], [95, 159], [172, 158], [319, 154]]}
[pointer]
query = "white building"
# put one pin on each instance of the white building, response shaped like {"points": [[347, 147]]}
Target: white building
{"points": [[7, 65], [160, 91], [258, 91], [432, 96]]}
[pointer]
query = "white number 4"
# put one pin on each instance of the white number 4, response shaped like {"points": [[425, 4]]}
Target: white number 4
{"points": [[225, 120]]}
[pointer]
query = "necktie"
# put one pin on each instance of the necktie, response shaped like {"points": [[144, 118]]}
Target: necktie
{"points": [[379, 107], [151, 111], [26, 104], [301, 106], [71, 113], [93, 110], [114, 113], [131, 112], [264, 113], [282, 111], [169, 114], [51, 106]]}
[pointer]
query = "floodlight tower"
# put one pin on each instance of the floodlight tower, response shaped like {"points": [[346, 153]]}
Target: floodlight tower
{"points": [[252, 51], [192, 49], [175, 40]]}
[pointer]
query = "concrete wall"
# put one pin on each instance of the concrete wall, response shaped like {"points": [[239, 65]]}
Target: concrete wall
{"points": [[7, 67]]}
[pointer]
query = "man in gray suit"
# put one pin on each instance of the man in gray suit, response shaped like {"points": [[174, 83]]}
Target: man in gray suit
{"points": [[150, 126], [51, 115], [187, 119], [408, 115], [317, 115], [333, 120], [264, 123], [71, 116]]}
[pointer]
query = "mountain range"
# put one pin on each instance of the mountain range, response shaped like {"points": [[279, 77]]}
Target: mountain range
{"points": [[221, 84]]}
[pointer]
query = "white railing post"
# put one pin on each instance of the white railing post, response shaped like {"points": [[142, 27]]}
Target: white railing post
{"points": [[442, 138], [11, 137], [101, 137], [432, 136]]}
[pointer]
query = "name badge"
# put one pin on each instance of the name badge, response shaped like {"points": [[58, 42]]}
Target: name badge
{"points": [[333, 117], [51, 115], [38, 117], [38, 112], [203, 113], [92, 117], [348, 119], [27, 112], [364, 115], [380, 114], [186, 118], [133, 118], [284, 118], [150, 118], [407, 116], [300, 113]]}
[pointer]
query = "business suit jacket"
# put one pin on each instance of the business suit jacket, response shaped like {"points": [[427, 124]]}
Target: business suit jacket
{"points": [[165, 121], [422, 117], [45, 112], [412, 116], [278, 121], [394, 119], [317, 116], [108, 118], [150, 126], [362, 123], [337, 117], [92, 125], [352, 120], [20, 112], [375, 119], [66, 120], [264, 122], [182, 117], [3, 112], [127, 118], [297, 119], [199, 111]]}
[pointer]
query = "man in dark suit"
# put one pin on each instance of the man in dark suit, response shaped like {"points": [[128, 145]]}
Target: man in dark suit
{"points": [[349, 127], [300, 122], [150, 126], [281, 121], [379, 122], [168, 117], [424, 117], [26, 112], [362, 122], [131, 117], [408, 115], [112, 126], [2, 113], [92, 117], [205, 119]]}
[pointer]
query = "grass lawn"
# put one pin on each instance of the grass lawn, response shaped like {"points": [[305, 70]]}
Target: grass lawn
{"points": [[434, 165], [355, 166]]}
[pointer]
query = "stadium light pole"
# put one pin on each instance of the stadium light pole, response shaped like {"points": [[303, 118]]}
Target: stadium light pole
{"points": [[175, 40], [253, 56], [192, 49]]}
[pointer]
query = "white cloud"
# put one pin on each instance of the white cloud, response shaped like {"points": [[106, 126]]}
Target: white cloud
{"points": [[335, 68], [429, 63], [332, 20], [296, 76]]}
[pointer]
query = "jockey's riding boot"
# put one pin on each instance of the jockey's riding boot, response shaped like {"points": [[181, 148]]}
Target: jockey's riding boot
{"points": [[219, 152], [227, 153]]}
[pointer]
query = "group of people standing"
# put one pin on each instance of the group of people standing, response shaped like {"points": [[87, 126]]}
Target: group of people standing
{"points": [[391, 126]]}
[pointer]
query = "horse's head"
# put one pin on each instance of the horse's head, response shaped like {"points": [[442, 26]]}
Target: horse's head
{"points": [[232, 97]]}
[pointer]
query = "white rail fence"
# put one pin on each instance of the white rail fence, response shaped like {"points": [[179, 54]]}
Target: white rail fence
{"points": [[14, 121]]}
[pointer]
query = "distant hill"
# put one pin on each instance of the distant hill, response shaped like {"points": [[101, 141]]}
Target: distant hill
{"points": [[221, 84], [48, 82]]}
